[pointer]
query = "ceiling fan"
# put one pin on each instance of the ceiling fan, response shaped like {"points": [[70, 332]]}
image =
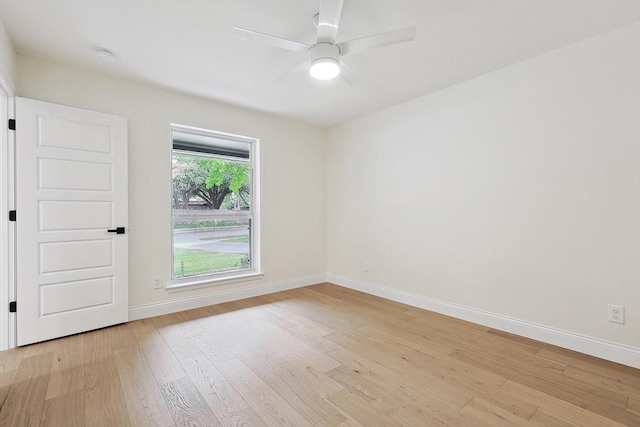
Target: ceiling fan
{"points": [[325, 56]]}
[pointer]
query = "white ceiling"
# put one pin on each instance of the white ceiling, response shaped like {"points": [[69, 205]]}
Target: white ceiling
{"points": [[187, 46]]}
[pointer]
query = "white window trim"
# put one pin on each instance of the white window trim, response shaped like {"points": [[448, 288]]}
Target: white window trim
{"points": [[207, 282], [220, 279]]}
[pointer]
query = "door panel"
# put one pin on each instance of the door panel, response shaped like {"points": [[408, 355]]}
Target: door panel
{"points": [[66, 297], [71, 182], [75, 135], [61, 215], [67, 256], [58, 174]]}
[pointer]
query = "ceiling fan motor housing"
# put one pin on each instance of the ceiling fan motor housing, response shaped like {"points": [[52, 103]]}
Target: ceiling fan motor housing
{"points": [[324, 51]]}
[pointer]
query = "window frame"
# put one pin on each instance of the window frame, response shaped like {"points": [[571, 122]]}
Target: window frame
{"points": [[253, 215]]}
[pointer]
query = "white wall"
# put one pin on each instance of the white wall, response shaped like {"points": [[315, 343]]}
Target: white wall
{"points": [[8, 59], [516, 193], [292, 173]]}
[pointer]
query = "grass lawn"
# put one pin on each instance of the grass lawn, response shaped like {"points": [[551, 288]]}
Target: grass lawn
{"points": [[188, 262], [238, 239]]}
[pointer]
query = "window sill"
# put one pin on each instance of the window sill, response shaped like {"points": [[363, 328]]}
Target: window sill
{"points": [[208, 282]]}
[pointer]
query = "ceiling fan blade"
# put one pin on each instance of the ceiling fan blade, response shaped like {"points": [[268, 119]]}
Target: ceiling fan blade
{"points": [[244, 34], [329, 19], [298, 69], [384, 39], [347, 73]]}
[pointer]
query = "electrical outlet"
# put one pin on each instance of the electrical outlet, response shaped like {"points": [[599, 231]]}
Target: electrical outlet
{"points": [[366, 267], [157, 282], [616, 313]]}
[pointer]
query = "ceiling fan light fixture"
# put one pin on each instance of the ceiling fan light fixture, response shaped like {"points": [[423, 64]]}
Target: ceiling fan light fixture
{"points": [[324, 69], [325, 61]]}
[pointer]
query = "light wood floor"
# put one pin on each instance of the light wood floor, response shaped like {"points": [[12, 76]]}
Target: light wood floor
{"points": [[316, 356]]}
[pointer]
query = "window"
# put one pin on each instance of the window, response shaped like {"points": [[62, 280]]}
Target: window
{"points": [[214, 206]]}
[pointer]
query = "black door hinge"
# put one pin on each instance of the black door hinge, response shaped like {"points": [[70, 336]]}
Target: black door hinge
{"points": [[12, 215], [13, 307], [12, 124]]}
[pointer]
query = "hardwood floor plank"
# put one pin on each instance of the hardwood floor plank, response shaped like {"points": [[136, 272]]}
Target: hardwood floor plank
{"points": [[512, 403], [349, 423], [532, 345], [420, 366], [613, 371], [633, 405], [364, 412], [268, 404], [314, 316], [595, 399], [297, 318], [67, 375], [10, 359], [295, 366], [100, 344], [177, 332], [161, 359], [368, 307], [204, 326], [499, 346], [6, 380], [303, 388], [447, 368], [597, 380], [266, 337], [493, 415], [405, 404], [186, 404], [398, 333], [104, 400], [26, 395], [441, 322], [359, 298], [145, 404], [298, 308], [213, 347], [544, 419], [224, 400], [67, 371], [559, 408], [64, 410], [360, 361]]}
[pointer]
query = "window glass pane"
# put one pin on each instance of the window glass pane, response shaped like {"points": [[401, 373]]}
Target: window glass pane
{"points": [[207, 245], [210, 183]]}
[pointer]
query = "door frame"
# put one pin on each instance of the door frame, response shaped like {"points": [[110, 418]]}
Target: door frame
{"points": [[7, 202]]}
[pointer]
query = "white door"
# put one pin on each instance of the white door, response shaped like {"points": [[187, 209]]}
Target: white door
{"points": [[71, 198]]}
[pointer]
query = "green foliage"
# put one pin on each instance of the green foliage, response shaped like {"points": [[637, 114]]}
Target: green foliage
{"points": [[212, 223], [232, 175], [188, 179], [239, 239], [190, 262], [244, 262], [219, 183]]}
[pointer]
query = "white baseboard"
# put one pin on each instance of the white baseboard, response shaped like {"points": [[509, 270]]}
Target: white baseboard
{"points": [[625, 355], [173, 306]]}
